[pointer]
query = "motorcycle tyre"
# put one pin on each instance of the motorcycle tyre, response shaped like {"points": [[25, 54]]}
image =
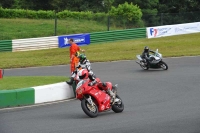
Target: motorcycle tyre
{"points": [[163, 63], [116, 108], [87, 111]]}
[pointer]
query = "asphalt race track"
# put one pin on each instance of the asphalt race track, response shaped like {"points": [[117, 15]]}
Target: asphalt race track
{"points": [[156, 101]]}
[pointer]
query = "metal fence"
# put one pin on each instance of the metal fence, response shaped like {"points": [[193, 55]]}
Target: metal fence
{"points": [[116, 35], [170, 18], [32, 28]]}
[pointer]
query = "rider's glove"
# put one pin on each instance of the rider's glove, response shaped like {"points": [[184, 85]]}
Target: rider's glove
{"points": [[91, 83]]}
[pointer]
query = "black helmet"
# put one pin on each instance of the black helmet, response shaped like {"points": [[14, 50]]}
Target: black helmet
{"points": [[82, 58], [146, 49]]}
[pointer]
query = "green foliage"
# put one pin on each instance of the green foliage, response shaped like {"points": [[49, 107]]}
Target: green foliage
{"points": [[41, 14], [129, 11], [148, 8], [178, 18], [6, 3], [177, 6], [127, 15], [78, 15], [108, 4], [21, 13]]}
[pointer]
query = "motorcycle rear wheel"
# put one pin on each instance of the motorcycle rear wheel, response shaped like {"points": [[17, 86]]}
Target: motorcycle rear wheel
{"points": [[87, 110], [118, 108], [163, 65]]}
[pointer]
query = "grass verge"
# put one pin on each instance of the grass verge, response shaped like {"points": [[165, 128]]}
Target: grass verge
{"points": [[30, 28], [16, 82]]}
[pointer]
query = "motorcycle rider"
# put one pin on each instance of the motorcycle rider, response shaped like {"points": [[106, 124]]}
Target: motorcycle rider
{"points": [[145, 55], [84, 63], [107, 86]]}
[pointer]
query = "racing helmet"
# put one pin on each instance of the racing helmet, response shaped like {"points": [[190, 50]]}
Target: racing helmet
{"points": [[83, 74], [82, 58], [146, 49]]}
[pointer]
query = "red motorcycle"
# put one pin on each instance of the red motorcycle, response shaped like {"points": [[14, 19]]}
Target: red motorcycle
{"points": [[94, 100]]}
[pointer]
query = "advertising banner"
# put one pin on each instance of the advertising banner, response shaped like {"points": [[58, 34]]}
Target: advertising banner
{"points": [[79, 39], [170, 30]]}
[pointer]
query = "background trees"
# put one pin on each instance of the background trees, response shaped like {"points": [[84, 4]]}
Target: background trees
{"points": [[154, 12], [147, 6]]}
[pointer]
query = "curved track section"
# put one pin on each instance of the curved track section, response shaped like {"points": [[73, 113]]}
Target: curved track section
{"points": [[156, 101]]}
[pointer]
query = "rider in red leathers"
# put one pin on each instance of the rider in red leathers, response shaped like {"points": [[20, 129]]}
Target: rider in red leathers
{"points": [[84, 63], [106, 86]]}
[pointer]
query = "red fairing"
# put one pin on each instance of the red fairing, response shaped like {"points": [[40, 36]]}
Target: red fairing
{"points": [[104, 102], [109, 85], [105, 86], [100, 97]]}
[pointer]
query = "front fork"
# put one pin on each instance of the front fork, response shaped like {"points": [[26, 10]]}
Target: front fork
{"points": [[89, 99]]}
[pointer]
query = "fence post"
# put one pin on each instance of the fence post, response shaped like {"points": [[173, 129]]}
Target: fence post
{"points": [[108, 25], [161, 19], [55, 29]]}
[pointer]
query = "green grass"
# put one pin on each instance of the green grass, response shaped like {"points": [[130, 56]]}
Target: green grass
{"points": [[12, 82], [30, 28], [174, 46], [184, 45]]}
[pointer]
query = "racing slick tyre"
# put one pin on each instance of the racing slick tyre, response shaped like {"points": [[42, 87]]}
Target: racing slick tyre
{"points": [[163, 65], [90, 110], [119, 106]]}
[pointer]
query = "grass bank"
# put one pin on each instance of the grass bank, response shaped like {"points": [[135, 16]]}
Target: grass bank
{"points": [[30, 28]]}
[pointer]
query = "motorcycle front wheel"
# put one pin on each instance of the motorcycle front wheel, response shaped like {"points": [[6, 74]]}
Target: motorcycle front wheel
{"points": [[163, 65], [118, 108], [90, 110], [144, 67]]}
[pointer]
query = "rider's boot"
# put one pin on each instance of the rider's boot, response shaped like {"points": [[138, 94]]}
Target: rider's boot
{"points": [[112, 95], [70, 82], [145, 62]]}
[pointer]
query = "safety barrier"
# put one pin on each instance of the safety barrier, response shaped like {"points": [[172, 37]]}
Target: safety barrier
{"points": [[98, 37], [52, 42], [5, 45], [53, 92], [9, 98], [34, 43], [35, 95]]}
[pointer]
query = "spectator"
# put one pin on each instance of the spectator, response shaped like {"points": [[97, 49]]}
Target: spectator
{"points": [[74, 52]]}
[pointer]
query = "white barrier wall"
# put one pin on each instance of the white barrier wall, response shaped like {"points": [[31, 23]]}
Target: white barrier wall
{"points": [[34, 43], [171, 30], [53, 92]]}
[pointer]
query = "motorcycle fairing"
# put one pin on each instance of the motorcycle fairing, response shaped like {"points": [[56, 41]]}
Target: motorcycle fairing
{"points": [[102, 99]]}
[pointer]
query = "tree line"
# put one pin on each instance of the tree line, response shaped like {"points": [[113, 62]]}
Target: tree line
{"points": [[147, 6], [153, 12]]}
